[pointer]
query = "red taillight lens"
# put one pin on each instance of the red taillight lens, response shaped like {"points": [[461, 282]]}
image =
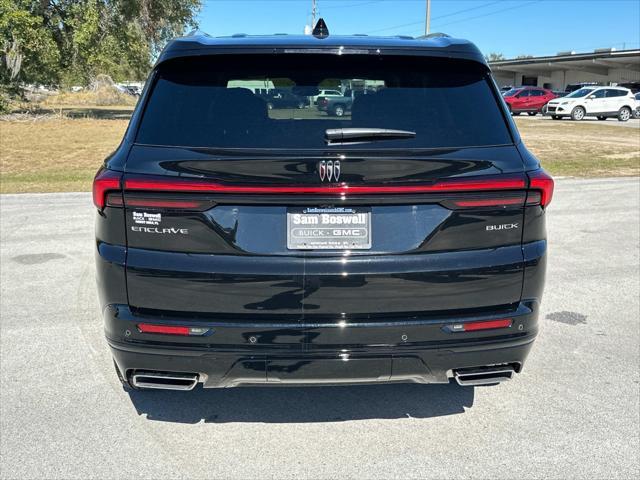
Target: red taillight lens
{"points": [[486, 325], [104, 181], [172, 329], [475, 326], [540, 181]]}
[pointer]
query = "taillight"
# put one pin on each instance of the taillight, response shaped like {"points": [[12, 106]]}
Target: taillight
{"points": [[540, 188], [476, 192], [477, 184], [172, 329], [104, 181]]}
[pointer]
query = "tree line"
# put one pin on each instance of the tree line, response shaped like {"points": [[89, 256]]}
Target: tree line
{"points": [[69, 42]]}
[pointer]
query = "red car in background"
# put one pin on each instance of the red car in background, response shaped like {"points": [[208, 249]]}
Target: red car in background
{"points": [[527, 99]]}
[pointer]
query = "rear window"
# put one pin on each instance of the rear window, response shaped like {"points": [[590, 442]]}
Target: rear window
{"points": [[263, 101]]}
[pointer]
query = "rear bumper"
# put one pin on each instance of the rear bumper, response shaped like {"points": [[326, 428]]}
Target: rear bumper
{"points": [[420, 350]]}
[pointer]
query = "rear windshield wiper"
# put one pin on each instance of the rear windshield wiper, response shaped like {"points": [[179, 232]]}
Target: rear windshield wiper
{"points": [[357, 135]]}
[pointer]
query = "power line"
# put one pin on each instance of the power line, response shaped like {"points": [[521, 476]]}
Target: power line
{"points": [[490, 13], [434, 18]]}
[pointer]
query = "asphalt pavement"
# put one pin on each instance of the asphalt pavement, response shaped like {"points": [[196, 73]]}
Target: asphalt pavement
{"points": [[573, 413]]}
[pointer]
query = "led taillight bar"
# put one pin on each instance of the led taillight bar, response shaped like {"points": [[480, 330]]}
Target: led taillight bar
{"points": [[444, 186], [172, 329], [541, 189]]}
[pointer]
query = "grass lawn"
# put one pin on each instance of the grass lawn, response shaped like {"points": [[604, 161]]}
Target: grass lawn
{"points": [[583, 149], [63, 154], [59, 155]]}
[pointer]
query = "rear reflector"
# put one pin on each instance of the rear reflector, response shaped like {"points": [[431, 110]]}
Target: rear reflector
{"points": [[171, 329], [104, 181], [541, 182], [485, 325]]}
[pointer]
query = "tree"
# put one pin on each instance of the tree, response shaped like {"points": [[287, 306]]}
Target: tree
{"points": [[494, 57], [72, 41]]}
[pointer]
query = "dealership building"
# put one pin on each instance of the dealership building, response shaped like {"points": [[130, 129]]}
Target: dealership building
{"points": [[604, 66]]}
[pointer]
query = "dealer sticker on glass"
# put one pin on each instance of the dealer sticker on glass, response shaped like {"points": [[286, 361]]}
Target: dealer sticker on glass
{"points": [[337, 228]]}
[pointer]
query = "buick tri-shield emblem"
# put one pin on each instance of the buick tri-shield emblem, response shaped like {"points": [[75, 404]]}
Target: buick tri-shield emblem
{"points": [[329, 170]]}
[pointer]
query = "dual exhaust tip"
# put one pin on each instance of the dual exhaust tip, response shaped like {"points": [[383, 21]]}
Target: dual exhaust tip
{"points": [[163, 380], [490, 375]]}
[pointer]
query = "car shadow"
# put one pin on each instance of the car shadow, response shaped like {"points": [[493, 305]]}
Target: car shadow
{"points": [[303, 404]]}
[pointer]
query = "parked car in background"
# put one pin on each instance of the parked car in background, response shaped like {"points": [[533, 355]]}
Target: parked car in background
{"points": [[633, 86], [560, 93], [326, 93], [133, 90], [600, 102], [636, 112], [283, 98], [527, 99], [572, 87], [335, 106]]}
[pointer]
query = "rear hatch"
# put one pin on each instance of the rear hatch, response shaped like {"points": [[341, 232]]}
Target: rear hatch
{"points": [[238, 212]]}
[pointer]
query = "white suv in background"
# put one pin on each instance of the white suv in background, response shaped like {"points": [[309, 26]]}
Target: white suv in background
{"points": [[600, 102]]}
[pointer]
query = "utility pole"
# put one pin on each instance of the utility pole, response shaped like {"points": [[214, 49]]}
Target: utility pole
{"points": [[314, 11], [427, 23]]}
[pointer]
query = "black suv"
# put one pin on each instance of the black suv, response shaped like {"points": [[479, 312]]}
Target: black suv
{"points": [[283, 98], [402, 241]]}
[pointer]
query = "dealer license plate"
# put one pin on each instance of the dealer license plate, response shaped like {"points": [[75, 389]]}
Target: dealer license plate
{"points": [[340, 228]]}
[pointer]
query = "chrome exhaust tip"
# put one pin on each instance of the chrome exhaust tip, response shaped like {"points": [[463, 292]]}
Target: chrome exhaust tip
{"points": [[490, 375], [164, 380]]}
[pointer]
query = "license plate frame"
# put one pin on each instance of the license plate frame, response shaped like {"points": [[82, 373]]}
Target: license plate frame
{"points": [[312, 228]]}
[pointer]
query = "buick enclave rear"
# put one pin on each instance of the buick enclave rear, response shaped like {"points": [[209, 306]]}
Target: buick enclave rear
{"points": [[403, 241]]}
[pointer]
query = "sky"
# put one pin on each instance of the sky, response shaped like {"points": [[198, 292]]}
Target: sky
{"points": [[510, 27]]}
